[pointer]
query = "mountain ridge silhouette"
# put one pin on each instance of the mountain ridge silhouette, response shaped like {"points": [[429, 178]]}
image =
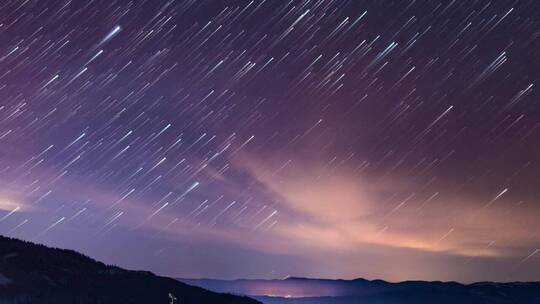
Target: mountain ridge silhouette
{"points": [[35, 274], [296, 290]]}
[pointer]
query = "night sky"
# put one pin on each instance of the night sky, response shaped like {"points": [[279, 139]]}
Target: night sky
{"points": [[264, 139]]}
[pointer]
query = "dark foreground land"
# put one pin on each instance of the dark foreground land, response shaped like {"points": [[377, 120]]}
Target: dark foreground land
{"points": [[31, 273]]}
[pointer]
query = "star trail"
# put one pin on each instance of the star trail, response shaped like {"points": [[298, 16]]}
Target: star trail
{"points": [[325, 138]]}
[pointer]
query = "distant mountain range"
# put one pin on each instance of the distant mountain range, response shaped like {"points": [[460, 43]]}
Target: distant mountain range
{"points": [[322, 291], [36, 274]]}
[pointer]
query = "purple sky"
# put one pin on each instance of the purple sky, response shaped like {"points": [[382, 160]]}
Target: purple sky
{"points": [[260, 139]]}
